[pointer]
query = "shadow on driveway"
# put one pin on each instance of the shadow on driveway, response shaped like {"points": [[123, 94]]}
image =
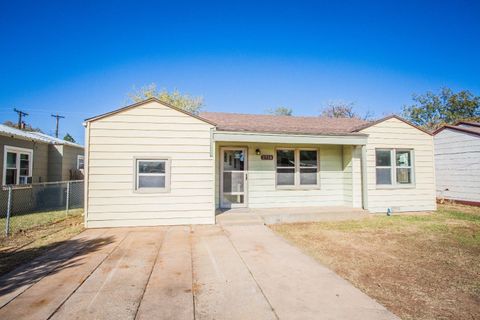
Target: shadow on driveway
{"points": [[53, 258]]}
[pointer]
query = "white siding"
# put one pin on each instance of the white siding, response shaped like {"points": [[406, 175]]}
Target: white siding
{"points": [[394, 133], [262, 192], [457, 165], [150, 130]]}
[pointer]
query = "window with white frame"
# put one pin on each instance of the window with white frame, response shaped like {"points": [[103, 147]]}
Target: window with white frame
{"points": [[80, 162], [152, 174], [17, 165], [394, 166], [297, 168]]}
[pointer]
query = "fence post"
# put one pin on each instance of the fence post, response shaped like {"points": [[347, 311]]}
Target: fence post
{"points": [[9, 207], [68, 197]]}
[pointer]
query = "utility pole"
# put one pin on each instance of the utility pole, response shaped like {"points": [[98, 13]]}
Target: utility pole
{"points": [[58, 117], [20, 115]]}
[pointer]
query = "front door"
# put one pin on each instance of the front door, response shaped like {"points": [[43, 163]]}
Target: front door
{"points": [[233, 178]]}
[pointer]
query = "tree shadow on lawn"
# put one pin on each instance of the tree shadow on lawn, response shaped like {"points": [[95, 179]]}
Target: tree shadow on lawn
{"points": [[48, 259]]}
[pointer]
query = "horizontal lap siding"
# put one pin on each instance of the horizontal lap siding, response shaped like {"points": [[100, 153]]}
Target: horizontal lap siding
{"points": [[394, 133], [151, 130], [262, 192], [457, 162]]}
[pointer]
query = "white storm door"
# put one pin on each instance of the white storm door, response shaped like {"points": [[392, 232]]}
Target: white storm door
{"points": [[233, 180]]}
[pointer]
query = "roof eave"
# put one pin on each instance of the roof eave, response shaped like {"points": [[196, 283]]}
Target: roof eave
{"points": [[464, 130]]}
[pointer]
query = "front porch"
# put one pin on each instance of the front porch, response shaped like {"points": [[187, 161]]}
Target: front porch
{"points": [[247, 216]]}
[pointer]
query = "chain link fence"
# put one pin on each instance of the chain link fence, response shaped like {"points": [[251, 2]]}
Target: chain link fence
{"points": [[23, 207]]}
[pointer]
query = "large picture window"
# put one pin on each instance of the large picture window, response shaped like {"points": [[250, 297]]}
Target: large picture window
{"points": [[297, 168], [394, 166], [17, 168], [152, 175]]}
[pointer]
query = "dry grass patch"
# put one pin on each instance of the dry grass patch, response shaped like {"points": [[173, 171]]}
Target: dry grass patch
{"points": [[420, 266], [40, 232]]}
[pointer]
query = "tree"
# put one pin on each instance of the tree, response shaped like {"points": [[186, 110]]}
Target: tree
{"points": [[343, 110], [174, 98], [26, 126], [281, 111], [68, 137], [432, 110]]}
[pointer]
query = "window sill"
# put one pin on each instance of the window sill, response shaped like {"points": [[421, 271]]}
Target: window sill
{"points": [[151, 190], [298, 188], [395, 186]]}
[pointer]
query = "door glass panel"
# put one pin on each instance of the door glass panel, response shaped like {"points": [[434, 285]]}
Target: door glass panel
{"points": [[233, 199], [233, 160], [233, 181]]}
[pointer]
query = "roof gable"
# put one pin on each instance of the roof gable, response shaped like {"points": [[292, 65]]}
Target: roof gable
{"points": [[143, 102], [393, 116]]}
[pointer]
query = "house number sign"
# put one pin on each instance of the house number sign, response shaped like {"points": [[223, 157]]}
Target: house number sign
{"points": [[266, 157]]}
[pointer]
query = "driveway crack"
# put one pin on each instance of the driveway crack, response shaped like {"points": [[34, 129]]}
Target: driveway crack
{"points": [[250, 271]]}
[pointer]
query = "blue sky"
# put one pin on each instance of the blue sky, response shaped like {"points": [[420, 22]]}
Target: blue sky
{"points": [[81, 58]]}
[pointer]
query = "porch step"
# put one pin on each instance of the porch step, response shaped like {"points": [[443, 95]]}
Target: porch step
{"points": [[289, 215], [238, 218]]}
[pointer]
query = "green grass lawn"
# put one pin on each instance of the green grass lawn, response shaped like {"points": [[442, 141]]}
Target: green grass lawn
{"points": [[21, 223], [420, 266]]}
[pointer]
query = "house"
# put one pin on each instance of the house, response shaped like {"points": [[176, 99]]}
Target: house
{"points": [[32, 157], [152, 164], [457, 162]]}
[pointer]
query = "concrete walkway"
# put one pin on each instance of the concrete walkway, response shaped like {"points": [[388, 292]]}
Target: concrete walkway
{"points": [[198, 272]]}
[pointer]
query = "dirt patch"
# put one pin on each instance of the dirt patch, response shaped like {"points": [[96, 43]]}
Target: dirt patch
{"points": [[424, 266], [28, 244]]}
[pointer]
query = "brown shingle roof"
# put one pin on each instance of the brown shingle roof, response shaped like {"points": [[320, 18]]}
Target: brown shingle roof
{"points": [[282, 124]]}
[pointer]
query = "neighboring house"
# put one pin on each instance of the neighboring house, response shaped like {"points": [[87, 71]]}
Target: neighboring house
{"points": [[152, 164], [32, 157], [457, 162]]}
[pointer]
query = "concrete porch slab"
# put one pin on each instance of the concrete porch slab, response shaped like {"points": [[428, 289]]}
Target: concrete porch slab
{"points": [[249, 216]]}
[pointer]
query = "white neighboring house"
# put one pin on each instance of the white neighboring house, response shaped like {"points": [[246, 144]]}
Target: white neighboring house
{"points": [[152, 164], [457, 162]]}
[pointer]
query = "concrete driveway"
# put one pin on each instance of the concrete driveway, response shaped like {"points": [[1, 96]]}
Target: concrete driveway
{"points": [[198, 272]]}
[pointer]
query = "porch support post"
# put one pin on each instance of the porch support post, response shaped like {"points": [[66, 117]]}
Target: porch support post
{"points": [[364, 178]]}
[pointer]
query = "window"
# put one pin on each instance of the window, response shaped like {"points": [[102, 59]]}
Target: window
{"points": [[152, 175], [17, 165], [80, 162], [308, 167], [394, 166], [297, 168], [285, 167]]}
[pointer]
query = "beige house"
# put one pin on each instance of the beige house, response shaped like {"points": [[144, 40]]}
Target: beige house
{"points": [[152, 164]]}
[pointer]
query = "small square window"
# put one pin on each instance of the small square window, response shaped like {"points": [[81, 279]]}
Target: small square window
{"points": [[152, 175]]}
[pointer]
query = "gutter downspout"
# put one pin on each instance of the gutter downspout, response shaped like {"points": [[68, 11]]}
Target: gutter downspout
{"points": [[364, 178]]}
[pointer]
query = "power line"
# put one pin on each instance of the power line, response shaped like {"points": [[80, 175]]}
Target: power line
{"points": [[58, 117], [20, 115]]}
